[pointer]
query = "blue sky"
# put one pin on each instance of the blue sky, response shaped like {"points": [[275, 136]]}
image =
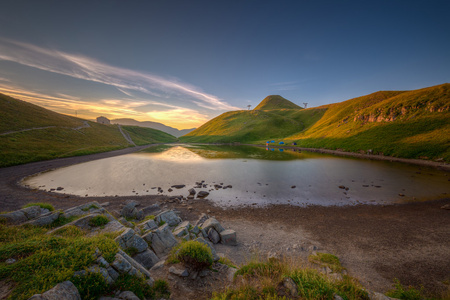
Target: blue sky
{"points": [[184, 62]]}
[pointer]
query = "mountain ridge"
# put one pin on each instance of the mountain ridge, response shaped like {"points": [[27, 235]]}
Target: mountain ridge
{"points": [[155, 125]]}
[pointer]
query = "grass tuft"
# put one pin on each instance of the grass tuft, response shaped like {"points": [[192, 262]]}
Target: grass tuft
{"points": [[40, 204], [327, 260], [98, 221], [405, 293], [193, 254]]}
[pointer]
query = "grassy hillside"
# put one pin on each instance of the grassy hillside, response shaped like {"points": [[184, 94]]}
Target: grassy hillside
{"points": [[144, 136], [253, 125], [410, 124], [17, 115], [31, 133], [276, 102]]}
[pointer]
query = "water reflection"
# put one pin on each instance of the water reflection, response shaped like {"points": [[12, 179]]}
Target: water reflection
{"points": [[258, 176]]}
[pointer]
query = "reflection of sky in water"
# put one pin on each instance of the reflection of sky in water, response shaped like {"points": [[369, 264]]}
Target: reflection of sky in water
{"points": [[258, 176]]}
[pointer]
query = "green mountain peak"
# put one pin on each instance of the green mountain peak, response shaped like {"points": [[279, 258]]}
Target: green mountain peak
{"points": [[276, 102]]}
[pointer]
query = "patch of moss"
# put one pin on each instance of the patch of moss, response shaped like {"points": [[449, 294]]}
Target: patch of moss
{"points": [[98, 221], [41, 205]]}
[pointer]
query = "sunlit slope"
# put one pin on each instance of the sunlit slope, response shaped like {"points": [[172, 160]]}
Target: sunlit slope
{"points": [[144, 135], [276, 102], [17, 115], [31, 133], [411, 124], [253, 125]]}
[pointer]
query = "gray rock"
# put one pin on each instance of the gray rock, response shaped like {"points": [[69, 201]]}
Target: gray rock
{"points": [[161, 240], [112, 273], [213, 251], [178, 272], [32, 212], [169, 217], [127, 295], [202, 194], [337, 297], [179, 232], [45, 220], [10, 261], [195, 230], [84, 209], [14, 217], [102, 262], [151, 210], [148, 225], [130, 211], [290, 285], [120, 264], [192, 192], [178, 186], [158, 265], [62, 291], [125, 222], [212, 223], [137, 242], [147, 258], [135, 264], [202, 219], [228, 237], [213, 236]]}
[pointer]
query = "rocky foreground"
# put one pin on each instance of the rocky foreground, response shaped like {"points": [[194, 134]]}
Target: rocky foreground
{"points": [[145, 238]]}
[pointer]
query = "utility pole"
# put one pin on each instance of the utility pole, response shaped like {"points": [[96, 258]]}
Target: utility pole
{"points": [[248, 107], [306, 104]]}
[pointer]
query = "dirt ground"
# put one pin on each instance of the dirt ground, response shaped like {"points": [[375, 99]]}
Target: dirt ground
{"points": [[375, 243]]}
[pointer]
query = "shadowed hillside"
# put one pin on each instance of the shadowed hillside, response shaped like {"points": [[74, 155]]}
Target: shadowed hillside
{"points": [[32, 133], [410, 124]]}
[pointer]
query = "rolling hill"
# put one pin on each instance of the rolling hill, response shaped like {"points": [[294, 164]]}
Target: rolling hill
{"points": [[409, 124], [32, 133], [155, 125]]}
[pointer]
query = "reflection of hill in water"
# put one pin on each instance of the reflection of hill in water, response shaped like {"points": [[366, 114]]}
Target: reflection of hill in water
{"points": [[211, 152]]}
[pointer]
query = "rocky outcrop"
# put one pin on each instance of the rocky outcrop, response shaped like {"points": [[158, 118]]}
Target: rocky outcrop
{"points": [[24, 215], [62, 291], [129, 211], [161, 240], [169, 217]]}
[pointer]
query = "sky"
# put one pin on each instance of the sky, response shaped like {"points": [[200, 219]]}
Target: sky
{"points": [[183, 63]]}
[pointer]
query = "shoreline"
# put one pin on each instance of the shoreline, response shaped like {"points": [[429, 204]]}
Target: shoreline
{"points": [[376, 243]]}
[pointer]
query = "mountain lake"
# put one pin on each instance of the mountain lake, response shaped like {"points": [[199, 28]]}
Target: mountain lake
{"points": [[251, 176]]}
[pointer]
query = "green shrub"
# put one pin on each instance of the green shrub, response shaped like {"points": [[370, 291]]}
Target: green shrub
{"points": [[270, 268], [42, 205], [99, 220], [140, 288], [193, 254], [227, 261], [91, 286], [400, 292]]}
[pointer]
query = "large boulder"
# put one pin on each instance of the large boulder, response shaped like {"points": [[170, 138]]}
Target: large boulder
{"points": [[212, 223], [147, 258], [228, 237], [161, 240], [129, 239], [62, 291], [169, 217], [45, 220], [25, 214], [131, 212]]}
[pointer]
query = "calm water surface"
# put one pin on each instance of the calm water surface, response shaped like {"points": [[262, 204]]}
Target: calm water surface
{"points": [[258, 176]]}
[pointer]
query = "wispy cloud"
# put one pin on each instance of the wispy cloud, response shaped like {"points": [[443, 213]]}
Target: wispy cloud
{"points": [[125, 80], [113, 108]]}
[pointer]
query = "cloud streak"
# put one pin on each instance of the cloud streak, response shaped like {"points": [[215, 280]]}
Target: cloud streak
{"points": [[125, 80]]}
